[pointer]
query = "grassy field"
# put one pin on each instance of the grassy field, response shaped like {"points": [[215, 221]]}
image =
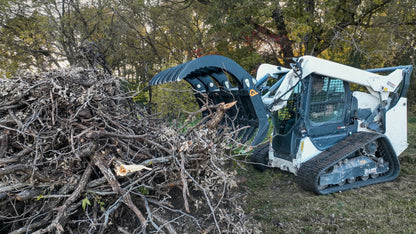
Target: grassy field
{"points": [[279, 205]]}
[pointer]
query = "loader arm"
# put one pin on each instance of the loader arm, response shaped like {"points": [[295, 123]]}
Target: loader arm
{"points": [[395, 81], [377, 84], [223, 80]]}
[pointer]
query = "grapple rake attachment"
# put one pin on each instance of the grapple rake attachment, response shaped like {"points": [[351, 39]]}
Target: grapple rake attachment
{"points": [[223, 80]]}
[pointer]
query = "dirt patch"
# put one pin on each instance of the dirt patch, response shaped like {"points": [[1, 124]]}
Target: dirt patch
{"points": [[279, 205]]}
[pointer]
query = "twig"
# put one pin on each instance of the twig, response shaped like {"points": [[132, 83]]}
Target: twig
{"points": [[62, 209], [25, 168], [14, 186], [185, 191], [208, 200], [111, 179], [149, 213], [166, 223], [97, 134], [156, 160], [109, 211], [16, 120]]}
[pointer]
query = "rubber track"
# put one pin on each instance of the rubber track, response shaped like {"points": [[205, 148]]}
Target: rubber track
{"points": [[310, 171]]}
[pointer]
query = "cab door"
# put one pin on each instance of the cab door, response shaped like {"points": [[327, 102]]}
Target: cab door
{"points": [[287, 121], [327, 113]]}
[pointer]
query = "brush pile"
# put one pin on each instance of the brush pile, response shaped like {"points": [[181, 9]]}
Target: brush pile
{"points": [[77, 155]]}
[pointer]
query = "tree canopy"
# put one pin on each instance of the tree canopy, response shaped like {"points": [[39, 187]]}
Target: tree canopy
{"points": [[137, 39]]}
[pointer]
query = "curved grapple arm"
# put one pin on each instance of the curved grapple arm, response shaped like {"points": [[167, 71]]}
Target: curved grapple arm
{"points": [[223, 80]]}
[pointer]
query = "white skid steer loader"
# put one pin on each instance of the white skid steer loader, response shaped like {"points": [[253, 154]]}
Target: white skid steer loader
{"points": [[334, 126]]}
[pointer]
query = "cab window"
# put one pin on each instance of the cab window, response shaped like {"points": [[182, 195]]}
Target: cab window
{"points": [[288, 115], [327, 100]]}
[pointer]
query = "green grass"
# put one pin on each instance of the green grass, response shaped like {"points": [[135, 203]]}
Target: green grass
{"points": [[278, 205]]}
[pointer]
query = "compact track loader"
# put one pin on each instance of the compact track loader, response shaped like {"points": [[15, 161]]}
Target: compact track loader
{"points": [[334, 126]]}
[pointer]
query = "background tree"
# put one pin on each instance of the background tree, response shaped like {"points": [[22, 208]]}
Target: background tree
{"points": [[137, 39], [23, 41]]}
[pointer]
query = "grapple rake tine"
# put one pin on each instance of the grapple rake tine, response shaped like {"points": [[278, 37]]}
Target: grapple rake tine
{"points": [[211, 74], [249, 133]]}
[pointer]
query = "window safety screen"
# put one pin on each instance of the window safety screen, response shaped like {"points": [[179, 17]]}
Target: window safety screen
{"points": [[288, 115], [327, 100]]}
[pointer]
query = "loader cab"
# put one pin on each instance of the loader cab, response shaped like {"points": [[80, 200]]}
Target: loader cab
{"points": [[320, 108]]}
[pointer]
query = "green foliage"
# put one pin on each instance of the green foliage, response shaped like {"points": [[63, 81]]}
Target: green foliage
{"points": [[85, 202], [23, 42], [173, 101], [144, 190], [138, 39], [137, 90], [97, 200]]}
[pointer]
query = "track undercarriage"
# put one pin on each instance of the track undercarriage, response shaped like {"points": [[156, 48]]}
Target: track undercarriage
{"points": [[362, 159]]}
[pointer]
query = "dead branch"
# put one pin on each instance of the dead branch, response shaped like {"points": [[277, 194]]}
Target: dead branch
{"points": [[111, 179], [185, 192], [56, 223]]}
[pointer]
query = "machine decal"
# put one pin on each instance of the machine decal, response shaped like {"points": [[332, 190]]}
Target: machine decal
{"points": [[253, 92], [391, 84]]}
